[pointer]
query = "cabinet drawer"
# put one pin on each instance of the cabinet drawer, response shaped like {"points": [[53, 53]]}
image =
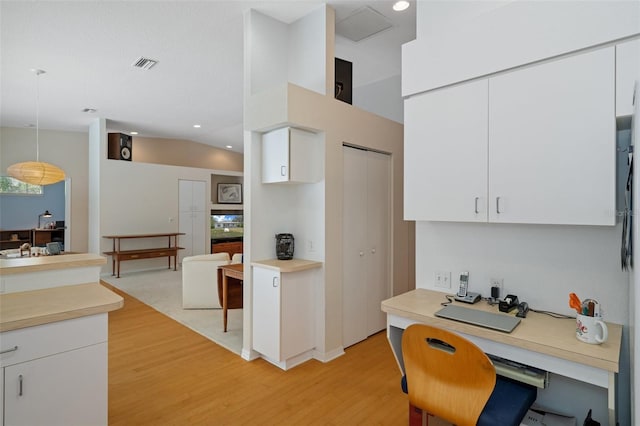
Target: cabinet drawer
{"points": [[47, 339]]}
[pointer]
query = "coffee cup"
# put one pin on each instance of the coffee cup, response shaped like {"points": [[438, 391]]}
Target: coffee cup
{"points": [[591, 329]]}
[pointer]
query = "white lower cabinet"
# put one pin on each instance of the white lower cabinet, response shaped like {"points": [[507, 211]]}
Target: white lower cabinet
{"points": [[283, 315], [55, 374]]}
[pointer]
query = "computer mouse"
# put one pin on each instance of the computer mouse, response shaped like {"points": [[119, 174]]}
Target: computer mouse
{"points": [[523, 308]]}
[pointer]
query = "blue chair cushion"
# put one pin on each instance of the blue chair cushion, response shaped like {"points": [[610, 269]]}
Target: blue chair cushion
{"points": [[507, 405]]}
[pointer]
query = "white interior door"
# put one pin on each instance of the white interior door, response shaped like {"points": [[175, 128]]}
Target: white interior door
{"points": [[192, 218], [366, 252], [378, 259]]}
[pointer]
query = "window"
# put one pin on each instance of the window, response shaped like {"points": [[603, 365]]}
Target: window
{"points": [[9, 185]]}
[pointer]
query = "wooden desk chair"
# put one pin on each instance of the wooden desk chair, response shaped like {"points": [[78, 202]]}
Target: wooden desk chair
{"points": [[450, 377]]}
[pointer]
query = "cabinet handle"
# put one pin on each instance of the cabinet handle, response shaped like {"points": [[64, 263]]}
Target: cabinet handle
{"points": [[15, 348], [476, 205], [283, 170], [498, 205], [274, 282], [20, 385], [361, 253], [373, 251]]}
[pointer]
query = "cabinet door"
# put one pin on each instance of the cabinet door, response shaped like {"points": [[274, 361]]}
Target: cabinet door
{"points": [[552, 142], [266, 312], [627, 74], [445, 157], [69, 388], [275, 156]]}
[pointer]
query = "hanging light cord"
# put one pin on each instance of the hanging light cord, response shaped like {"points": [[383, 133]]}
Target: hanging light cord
{"points": [[38, 72]]}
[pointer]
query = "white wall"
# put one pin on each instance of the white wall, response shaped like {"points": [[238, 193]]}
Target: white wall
{"points": [[382, 98], [307, 51]]}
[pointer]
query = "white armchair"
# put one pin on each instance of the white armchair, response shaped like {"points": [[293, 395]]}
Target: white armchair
{"points": [[200, 280]]}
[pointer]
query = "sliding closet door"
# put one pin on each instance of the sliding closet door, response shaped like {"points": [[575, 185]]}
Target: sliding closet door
{"points": [[366, 242]]}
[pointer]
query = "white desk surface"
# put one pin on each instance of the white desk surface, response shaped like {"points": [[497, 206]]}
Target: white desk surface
{"points": [[537, 332]]}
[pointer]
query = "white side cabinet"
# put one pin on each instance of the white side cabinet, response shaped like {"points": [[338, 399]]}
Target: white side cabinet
{"points": [[291, 155], [56, 373], [283, 311], [535, 145]]}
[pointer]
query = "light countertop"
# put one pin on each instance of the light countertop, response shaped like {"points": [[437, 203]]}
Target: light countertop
{"points": [[292, 265], [37, 307], [20, 265]]}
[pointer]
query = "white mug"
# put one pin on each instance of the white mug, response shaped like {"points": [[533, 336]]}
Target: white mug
{"points": [[591, 329]]}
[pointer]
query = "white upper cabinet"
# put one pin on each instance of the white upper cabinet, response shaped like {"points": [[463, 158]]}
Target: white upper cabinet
{"points": [[445, 154], [291, 155], [536, 146], [627, 73], [552, 142]]}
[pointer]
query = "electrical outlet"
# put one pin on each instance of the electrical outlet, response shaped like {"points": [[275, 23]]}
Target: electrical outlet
{"points": [[442, 279], [497, 282]]}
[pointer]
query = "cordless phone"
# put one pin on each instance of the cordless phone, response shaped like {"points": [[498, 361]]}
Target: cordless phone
{"points": [[464, 284], [463, 295]]}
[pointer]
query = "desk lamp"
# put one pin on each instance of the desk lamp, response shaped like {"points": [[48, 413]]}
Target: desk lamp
{"points": [[41, 215]]}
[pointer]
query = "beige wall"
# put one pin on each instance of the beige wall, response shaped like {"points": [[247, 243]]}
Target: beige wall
{"points": [[177, 152], [67, 150]]}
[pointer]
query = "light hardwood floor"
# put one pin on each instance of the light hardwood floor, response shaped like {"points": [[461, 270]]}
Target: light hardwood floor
{"points": [[162, 373]]}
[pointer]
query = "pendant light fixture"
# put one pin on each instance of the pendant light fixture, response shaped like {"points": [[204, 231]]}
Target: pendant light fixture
{"points": [[36, 172]]}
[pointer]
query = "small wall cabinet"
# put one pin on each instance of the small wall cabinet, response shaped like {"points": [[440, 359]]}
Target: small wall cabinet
{"points": [[283, 310], [291, 155], [535, 145], [11, 239]]}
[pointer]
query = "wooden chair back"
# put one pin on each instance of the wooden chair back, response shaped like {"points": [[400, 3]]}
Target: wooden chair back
{"points": [[447, 375]]}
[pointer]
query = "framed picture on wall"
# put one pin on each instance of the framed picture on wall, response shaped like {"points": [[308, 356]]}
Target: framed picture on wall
{"points": [[229, 193]]}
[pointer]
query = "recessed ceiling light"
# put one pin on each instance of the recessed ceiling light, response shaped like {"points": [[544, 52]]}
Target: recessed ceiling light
{"points": [[401, 5], [134, 133], [197, 126], [229, 147], [89, 110]]}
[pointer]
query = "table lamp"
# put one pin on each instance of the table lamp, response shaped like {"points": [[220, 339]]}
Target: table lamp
{"points": [[41, 215]]}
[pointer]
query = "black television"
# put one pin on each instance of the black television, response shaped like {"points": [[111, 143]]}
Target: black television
{"points": [[226, 225]]}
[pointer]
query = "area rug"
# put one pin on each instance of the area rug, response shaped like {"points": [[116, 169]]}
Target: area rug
{"points": [[162, 290]]}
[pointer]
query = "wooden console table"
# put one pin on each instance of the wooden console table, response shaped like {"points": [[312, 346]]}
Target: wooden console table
{"points": [[118, 255]]}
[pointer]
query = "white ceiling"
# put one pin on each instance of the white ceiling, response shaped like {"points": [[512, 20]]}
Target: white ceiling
{"points": [[87, 48]]}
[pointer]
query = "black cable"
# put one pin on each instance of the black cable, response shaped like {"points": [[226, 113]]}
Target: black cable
{"points": [[552, 314], [449, 298]]}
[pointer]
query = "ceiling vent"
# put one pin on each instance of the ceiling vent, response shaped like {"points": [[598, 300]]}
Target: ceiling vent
{"points": [[144, 63], [362, 23]]}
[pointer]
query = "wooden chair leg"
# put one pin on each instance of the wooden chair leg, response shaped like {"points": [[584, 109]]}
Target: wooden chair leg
{"points": [[416, 416]]}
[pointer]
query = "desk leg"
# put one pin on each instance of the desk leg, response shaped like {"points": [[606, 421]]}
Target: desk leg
{"points": [[225, 295], [611, 399], [113, 265]]}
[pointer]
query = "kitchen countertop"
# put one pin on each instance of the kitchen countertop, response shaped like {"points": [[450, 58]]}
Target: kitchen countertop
{"points": [[293, 265], [19, 265], [36, 307]]}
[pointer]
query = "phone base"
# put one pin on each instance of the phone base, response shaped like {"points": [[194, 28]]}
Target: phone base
{"points": [[469, 298]]}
